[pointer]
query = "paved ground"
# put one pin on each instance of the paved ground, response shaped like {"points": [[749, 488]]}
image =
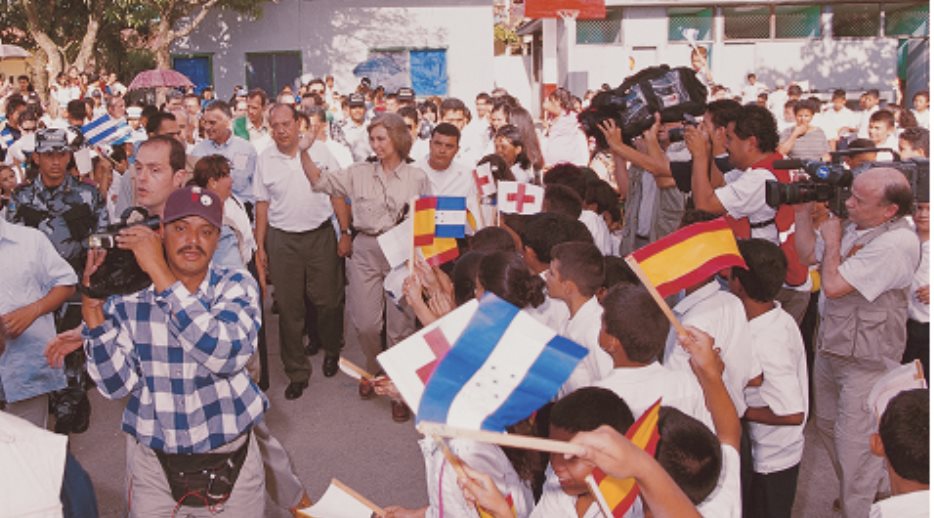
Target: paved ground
{"points": [[330, 432]]}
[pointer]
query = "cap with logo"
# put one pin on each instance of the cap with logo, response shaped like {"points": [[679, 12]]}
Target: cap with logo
{"points": [[52, 140], [405, 94], [194, 201], [356, 100]]}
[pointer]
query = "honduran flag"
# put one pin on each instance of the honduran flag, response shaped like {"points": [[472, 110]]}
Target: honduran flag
{"points": [[616, 495], [688, 256], [106, 130], [483, 177], [6, 138], [519, 198], [504, 366], [439, 216]]}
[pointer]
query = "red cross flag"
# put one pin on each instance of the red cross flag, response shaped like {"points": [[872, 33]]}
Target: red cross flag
{"points": [[519, 198], [483, 176], [411, 362]]}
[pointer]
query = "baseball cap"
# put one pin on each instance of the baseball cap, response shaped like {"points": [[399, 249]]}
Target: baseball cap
{"points": [[356, 100], [194, 201], [134, 112], [405, 94], [50, 140]]}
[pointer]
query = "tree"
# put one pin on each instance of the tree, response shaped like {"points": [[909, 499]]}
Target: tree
{"points": [[155, 24]]}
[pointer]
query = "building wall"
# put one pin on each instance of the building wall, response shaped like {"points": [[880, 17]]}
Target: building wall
{"points": [[336, 35]]}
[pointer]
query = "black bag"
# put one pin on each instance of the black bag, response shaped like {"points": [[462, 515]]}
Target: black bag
{"points": [[203, 479]]}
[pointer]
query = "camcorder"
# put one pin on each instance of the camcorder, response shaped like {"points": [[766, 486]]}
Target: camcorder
{"points": [[672, 92], [832, 182], [119, 274]]}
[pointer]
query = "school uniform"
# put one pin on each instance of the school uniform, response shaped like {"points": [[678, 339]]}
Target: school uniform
{"points": [[584, 328], [726, 499], [909, 505], [555, 503], [640, 388], [553, 312], [598, 229]]}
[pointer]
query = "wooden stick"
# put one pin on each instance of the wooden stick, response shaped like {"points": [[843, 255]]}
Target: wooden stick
{"points": [[363, 500], [631, 261], [480, 211], [356, 368], [456, 463], [412, 244], [502, 439]]}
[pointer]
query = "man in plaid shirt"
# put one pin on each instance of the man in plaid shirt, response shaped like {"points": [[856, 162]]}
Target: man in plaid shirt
{"points": [[179, 350]]}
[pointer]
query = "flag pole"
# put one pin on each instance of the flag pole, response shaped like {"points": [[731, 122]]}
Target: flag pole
{"points": [[594, 489], [353, 367], [631, 261], [412, 243], [362, 499], [480, 210], [502, 439], [456, 463]]}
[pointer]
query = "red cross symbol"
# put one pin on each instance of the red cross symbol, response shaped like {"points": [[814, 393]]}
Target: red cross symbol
{"points": [[439, 346], [520, 198], [481, 180]]}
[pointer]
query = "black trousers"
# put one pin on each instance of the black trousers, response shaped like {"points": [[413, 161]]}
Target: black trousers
{"points": [[918, 346], [773, 495]]}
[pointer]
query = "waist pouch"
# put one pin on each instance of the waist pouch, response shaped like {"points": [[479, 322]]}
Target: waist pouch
{"points": [[202, 479]]}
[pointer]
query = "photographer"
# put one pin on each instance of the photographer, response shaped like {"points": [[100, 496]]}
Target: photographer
{"points": [[179, 348], [866, 265], [653, 204]]}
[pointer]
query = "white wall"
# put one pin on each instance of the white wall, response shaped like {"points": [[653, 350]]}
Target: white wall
{"points": [[512, 73], [336, 35]]}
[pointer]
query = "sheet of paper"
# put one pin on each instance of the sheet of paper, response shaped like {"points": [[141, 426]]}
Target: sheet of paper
{"points": [[83, 160], [396, 243], [337, 503]]}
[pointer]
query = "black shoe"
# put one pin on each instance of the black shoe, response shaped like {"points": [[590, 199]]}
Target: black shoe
{"points": [[295, 389], [312, 349], [330, 365]]}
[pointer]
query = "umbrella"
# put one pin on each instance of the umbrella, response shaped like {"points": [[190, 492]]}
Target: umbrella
{"points": [[12, 51], [156, 78], [378, 66]]}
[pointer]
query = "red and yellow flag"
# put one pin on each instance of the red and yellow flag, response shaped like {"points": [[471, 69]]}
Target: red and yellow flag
{"points": [[440, 251], [688, 256], [424, 225], [616, 495]]}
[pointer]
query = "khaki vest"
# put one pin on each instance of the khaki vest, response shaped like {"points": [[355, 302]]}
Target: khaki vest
{"points": [[666, 215], [872, 333]]}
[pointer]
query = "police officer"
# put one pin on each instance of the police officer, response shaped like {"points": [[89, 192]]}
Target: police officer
{"points": [[67, 211]]}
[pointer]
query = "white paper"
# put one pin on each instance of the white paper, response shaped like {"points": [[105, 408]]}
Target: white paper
{"points": [[83, 160], [394, 281], [337, 503], [396, 243], [904, 377]]}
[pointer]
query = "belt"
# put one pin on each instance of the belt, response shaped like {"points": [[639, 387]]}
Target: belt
{"points": [[762, 224], [326, 224]]}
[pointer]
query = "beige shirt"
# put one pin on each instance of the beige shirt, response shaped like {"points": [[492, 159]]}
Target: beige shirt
{"points": [[378, 199]]}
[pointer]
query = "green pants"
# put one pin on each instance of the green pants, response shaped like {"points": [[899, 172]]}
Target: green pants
{"points": [[300, 263]]}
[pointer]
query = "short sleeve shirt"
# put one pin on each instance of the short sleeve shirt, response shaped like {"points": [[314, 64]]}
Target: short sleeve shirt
{"points": [[743, 196], [242, 157], [281, 181]]}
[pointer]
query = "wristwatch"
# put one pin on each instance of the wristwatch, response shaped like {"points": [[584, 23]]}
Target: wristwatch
{"points": [[347, 232]]}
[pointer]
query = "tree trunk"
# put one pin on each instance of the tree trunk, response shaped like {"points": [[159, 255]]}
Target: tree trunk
{"points": [[85, 53], [49, 48]]}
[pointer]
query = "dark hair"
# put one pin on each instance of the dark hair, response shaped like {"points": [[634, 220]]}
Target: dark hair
{"points": [[839, 94], [756, 121], [561, 199], [580, 263], [544, 230], [446, 129], [906, 119], [13, 103], [176, 150], [883, 116], [76, 109], [689, 452], [569, 175], [616, 271], [604, 197], [210, 167], [499, 168], [795, 90], [917, 138], [408, 112], [514, 137], [872, 92], [722, 112], [589, 408], [921, 93], [118, 154], [453, 104], [806, 104], [220, 106], [631, 316], [492, 239], [154, 122], [905, 433], [258, 92], [767, 268], [522, 120], [563, 98], [464, 276], [506, 275], [483, 96]]}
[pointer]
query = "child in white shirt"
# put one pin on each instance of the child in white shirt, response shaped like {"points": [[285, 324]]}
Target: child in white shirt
{"points": [[903, 441]]}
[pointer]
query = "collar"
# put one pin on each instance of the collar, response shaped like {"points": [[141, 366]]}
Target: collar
{"points": [[765, 320], [223, 144], [646, 372], [277, 153], [68, 184], [705, 292], [378, 170]]}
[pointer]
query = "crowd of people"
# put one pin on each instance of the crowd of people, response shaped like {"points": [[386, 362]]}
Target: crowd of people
{"points": [[279, 199]]}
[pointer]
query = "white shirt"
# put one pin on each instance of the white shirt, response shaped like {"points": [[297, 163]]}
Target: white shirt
{"points": [[341, 153], [831, 120], [891, 142], [420, 150], [280, 180], [553, 313], [358, 139], [863, 128], [640, 388], [456, 180], [242, 157], [750, 92], [721, 315], [555, 503], [743, 196], [918, 311], [779, 348], [916, 504], [584, 328], [598, 229], [565, 142], [725, 501]]}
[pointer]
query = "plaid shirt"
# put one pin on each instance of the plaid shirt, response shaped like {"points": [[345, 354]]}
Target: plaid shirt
{"points": [[181, 357]]}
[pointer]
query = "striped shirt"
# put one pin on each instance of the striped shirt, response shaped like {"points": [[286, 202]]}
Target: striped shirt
{"points": [[181, 358]]}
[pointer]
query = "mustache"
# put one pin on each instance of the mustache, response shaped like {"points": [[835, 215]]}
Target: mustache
{"points": [[188, 248]]}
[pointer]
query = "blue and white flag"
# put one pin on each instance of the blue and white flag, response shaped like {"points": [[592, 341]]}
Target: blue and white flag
{"points": [[106, 130], [450, 216], [6, 138], [504, 366]]}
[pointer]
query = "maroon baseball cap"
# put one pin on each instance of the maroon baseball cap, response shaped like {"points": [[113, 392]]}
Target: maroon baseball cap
{"points": [[194, 201]]}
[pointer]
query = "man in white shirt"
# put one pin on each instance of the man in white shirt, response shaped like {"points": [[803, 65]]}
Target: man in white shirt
{"points": [[751, 90], [220, 140], [296, 239], [447, 176], [354, 128], [836, 118]]}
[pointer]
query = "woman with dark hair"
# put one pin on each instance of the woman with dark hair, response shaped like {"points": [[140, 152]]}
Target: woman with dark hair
{"points": [[564, 141], [511, 147], [236, 245], [506, 275], [522, 119]]}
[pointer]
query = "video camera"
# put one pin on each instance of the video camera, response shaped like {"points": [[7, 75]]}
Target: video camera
{"points": [[832, 182], [119, 274], [672, 92]]}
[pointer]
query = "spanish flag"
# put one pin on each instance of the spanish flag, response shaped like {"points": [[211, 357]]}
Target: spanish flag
{"points": [[424, 231], [440, 251], [688, 256], [614, 495]]}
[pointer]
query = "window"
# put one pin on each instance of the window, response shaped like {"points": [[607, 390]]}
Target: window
{"points": [[605, 31], [682, 19], [425, 70], [856, 20], [272, 70], [196, 67], [743, 23], [429, 71], [793, 21], [906, 19]]}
